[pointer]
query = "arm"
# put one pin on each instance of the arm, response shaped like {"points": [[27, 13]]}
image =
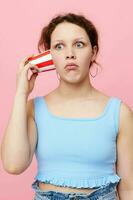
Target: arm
{"points": [[124, 164], [19, 139]]}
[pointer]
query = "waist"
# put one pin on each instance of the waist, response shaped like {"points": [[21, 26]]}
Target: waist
{"points": [[46, 187]]}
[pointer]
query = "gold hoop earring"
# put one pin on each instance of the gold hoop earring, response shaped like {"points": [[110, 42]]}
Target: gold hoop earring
{"points": [[95, 73]]}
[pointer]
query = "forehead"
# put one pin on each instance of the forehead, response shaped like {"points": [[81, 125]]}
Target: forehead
{"points": [[67, 31]]}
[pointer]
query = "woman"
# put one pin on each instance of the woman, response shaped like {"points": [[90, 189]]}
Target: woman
{"points": [[78, 133]]}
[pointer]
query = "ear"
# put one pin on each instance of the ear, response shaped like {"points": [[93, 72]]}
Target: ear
{"points": [[94, 53]]}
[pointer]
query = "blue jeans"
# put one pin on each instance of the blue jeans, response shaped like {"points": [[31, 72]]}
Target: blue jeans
{"points": [[107, 192]]}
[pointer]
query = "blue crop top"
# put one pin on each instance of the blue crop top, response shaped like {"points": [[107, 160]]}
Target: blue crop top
{"points": [[76, 152]]}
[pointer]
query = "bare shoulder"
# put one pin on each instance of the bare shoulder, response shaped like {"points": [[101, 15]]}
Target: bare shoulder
{"points": [[126, 109], [30, 105], [126, 116], [31, 108]]}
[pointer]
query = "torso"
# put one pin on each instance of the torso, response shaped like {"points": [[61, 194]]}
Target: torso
{"points": [[87, 108]]}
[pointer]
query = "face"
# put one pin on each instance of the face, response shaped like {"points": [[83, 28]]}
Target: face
{"points": [[70, 43]]}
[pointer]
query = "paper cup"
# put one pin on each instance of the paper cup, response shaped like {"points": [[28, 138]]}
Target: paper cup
{"points": [[43, 62]]}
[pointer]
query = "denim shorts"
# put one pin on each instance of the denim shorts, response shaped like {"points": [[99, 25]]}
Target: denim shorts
{"points": [[107, 192]]}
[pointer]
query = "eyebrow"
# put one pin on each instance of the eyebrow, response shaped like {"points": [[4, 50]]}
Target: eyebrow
{"points": [[74, 39]]}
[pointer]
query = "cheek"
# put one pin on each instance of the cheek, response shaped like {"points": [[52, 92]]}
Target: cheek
{"points": [[85, 60], [58, 61], [85, 54], [56, 58]]}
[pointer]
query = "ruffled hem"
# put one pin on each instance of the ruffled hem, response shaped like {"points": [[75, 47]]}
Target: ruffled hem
{"points": [[79, 183]]}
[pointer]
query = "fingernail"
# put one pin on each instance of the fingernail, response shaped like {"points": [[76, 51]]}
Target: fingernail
{"points": [[32, 64]]}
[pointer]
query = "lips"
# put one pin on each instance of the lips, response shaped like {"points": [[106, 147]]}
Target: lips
{"points": [[71, 66]]}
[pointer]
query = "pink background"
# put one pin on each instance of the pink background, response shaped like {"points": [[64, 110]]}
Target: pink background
{"points": [[21, 24]]}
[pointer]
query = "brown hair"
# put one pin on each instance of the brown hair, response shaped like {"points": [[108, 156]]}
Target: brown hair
{"points": [[80, 20]]}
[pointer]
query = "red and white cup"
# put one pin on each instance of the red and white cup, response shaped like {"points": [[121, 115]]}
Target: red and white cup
{"points": [[43, 62]]}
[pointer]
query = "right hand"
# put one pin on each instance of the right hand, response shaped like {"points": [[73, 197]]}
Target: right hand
{"points": [[23, 85]]}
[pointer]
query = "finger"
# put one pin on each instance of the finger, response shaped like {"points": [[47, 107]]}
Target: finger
{"points": [[34, 70], [32, 78], [24, 61], [32, 67], [25, 69], [28, 66]]}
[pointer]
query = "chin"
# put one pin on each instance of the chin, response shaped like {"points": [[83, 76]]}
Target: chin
{"points": [[73, 80]]}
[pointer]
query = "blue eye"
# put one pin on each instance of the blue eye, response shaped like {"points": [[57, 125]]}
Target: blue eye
{"points": [[80, 43], [58, 45]]}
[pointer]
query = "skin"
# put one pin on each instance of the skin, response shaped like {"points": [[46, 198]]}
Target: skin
{"points": [[75, 83], [74, 86]]}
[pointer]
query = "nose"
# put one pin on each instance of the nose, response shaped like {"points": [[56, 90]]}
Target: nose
{"points": [[70, 54]]}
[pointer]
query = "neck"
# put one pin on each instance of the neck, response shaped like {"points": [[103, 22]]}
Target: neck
{"points": [[76, 91]]}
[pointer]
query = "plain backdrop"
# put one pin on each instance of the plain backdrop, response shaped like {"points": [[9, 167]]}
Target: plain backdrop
{"points": [[20, 27]]}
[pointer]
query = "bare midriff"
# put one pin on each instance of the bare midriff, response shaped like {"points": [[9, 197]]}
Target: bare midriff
{"points": [[47, 187]]}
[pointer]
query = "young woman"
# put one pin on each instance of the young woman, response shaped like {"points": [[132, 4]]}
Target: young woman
{"points": [[82, 137]]}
